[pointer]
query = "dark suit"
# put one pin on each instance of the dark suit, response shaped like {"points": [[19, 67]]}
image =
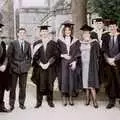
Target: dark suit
{"points": [[113, 73], [20, 62]]}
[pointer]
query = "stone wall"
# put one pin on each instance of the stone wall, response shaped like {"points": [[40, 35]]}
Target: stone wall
{"points": [[30, 18], [7, 19]]}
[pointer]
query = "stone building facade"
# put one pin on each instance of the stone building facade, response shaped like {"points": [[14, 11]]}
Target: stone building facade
{"points": [[7, 18]]}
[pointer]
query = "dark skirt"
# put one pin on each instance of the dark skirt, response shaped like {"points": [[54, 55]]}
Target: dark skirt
{"points": [[68, 82]]}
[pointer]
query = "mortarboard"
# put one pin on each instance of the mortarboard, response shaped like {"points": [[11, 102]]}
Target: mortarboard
{"points": [[86, 28], [67, 23], [44, 27], [1, 25]]}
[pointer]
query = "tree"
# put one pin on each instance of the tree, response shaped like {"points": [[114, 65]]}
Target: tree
{"points": [[79, 14], [108, 9]]}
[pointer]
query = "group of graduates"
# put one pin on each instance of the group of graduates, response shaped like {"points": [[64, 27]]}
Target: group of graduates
{"points": [[77, 63]]}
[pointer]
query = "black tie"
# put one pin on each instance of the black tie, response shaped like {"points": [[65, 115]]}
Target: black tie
{"points": [[22, 47], [112, 42]]}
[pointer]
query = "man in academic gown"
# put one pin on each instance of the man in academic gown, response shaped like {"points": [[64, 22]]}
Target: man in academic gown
{"points": [[111, 50], [97, 34], [19, 58], [3, 74], [45, 54], [98, 30]]}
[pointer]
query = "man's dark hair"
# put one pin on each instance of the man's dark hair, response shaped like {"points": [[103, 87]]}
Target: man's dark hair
{"points": [[21, 29]]}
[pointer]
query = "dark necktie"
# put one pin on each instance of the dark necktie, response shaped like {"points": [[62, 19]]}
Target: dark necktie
{"points": [[22, 49], [112, 42]]}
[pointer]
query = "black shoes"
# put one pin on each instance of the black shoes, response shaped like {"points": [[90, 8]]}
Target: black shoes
{"points": [[65, 104], [110, 105], [22, 107], [95, 104], [3, 109], [64, 101], [11, 108], [51, 104], [71, 101], [87, 102], [38, 105]]}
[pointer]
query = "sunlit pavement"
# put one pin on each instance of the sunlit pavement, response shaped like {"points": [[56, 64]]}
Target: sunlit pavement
{"points": [[77, 112]]}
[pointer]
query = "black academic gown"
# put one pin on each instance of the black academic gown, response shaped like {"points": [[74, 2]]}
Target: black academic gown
{"points": [[5, 77], [112, 73], [93, 73], [102, 75], [45, 78], [67, 82]]}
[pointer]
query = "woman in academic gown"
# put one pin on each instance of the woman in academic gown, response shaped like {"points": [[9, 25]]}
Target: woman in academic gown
{"points": [[89, 49], [45, 54], [67, 45]]}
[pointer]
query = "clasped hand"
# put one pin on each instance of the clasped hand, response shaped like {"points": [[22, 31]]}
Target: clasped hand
{"points": [[111, 61], [44, 66], [2, 68], [66, 56], [73, 65]]}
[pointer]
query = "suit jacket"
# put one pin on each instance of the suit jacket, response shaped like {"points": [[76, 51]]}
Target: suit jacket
{"points": [[106, 49], [19, 62]]}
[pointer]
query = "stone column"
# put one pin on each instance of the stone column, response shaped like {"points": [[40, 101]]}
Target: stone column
{"points": [[79, 14]]}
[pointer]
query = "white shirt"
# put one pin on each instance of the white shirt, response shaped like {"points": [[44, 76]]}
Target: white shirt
{"points": [[68, 43], [45, 42], [99, 33]]}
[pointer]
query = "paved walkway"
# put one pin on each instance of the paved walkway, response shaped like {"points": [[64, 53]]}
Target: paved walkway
{"points": [[78, 112]]}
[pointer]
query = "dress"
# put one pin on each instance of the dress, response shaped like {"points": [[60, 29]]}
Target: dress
{"points": [[89, 64], [85, 55]]}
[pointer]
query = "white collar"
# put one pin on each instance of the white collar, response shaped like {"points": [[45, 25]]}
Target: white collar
{"points": [[35, 49], [73, 40], [21, 41], [45, 42], [67, 37], [88, 42], [114, 35], [98, 31]]}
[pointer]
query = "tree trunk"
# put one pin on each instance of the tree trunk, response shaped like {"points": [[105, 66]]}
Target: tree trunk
{"points": [[79, 15]]}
